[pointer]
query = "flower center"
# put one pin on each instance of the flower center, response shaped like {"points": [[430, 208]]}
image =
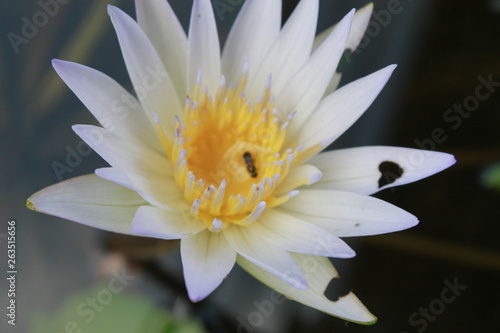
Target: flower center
{"points": [[228, 155]]}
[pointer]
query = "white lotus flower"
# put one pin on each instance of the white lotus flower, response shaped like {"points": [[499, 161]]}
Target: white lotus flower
{"points": [[221, 168]]}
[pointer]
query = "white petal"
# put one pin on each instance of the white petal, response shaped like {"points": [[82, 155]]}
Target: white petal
{"points": [[156, 190], [115, 175], [319, 272], [151, 80], [130, 157], [307, 87], [252, 35], [293, 234], [112, 105], [203, 47], [276, 261], [207, 259], [148, 172], [360, 22], [305, 174], [289, 52], [91, 201], [158, 21], [361, 170], [348, 214], [161, 223], [334, 84], [337, 112]]}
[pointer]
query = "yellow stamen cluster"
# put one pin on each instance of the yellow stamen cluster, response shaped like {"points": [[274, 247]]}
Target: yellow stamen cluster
{"points": [[228, 157]]}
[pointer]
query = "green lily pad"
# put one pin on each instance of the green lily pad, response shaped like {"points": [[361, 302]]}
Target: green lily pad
{"points": [[100, 311]]}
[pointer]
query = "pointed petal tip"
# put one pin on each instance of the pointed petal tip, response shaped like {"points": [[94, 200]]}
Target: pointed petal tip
{"points": [[440, 161], [30, 204], [61, 65], [114, 11], [57, 62], [414, 222], [405, 220], [348, 19], [371, 322], [410, 221], [383, 75], [195, 298], [449, 160], [111, 8], [366, 9], [343, 254], [37, 199], [79, 128], [347, 253], [390, 69]]}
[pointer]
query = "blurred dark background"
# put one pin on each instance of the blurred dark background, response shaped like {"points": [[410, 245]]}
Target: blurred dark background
{"points": [[445, 49]]}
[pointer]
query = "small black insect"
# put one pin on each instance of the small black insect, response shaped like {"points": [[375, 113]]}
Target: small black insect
{"points": [[247, 157]]}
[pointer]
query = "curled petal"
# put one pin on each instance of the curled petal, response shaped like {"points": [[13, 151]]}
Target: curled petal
{"points": [[319, 272]]}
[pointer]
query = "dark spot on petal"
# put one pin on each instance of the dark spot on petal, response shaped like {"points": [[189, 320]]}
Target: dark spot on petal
{"points": [[337, 289], [390, 171], [357, 225]]}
